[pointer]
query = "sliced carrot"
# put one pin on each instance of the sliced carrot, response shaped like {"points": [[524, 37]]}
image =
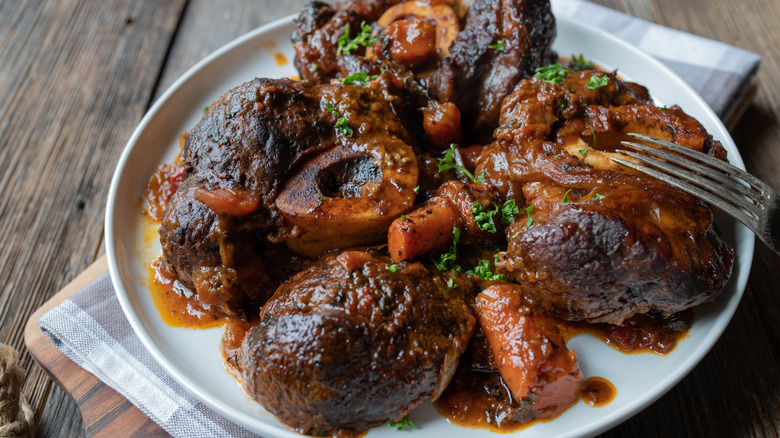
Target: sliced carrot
{"points": [[529, 351], [427, 229]]}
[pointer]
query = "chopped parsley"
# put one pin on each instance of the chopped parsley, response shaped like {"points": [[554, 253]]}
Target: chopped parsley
{"points": [[508, 212], [579, 63], [566, 197], [483, 269], [598, 197], [593, 133], [528, 211], [347, 45], [206, 109], [401, 425], [483, 216], [499, 46], [314, 67], [359, 78], [446, 261], [596, 82], [343, 128], [448, 163], [451, 283], [392, 268], [342, 124], [416, 189], [552, 74], [584, 152], [403, 217]]}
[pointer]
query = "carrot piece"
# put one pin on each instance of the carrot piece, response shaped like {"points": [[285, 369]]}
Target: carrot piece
{"points": [[232, 202], [427, 229], [529, 351]]}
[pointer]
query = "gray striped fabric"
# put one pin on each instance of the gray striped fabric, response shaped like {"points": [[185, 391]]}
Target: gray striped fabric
{"points": [[91, 329], [720, 73]]}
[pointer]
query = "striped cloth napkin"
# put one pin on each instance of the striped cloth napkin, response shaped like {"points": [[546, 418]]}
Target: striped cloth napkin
{"points": [[91, 329]]}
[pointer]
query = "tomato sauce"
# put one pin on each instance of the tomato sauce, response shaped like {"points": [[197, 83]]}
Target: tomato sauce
{"points": [[178, 305], [597, 392], [648, 333]]}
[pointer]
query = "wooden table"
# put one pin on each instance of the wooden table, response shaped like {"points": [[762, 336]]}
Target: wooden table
{"points": [[77, 76]]}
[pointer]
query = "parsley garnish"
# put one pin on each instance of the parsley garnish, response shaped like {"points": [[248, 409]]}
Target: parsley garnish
{"points": [[359, 78], [552, 74], [596, 82], [446, 261], [314, 67], [392, 268], [583, 152], [448, 163], [416, 189], [403, 217], [566, 197], [499, 46], [593, 133], [364, 38], [405, 422], [343, 128], [483, 270], [484, 217], [579, 63], [451, 283], [528, 211], [508, 212], [342, 124], [598, 197]]}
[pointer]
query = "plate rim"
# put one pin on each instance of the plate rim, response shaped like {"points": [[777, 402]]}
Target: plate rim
{"points": [[608, 422]]}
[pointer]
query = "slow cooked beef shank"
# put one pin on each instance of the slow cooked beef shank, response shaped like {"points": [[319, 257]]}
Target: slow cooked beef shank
{"points": [[349, 343]]}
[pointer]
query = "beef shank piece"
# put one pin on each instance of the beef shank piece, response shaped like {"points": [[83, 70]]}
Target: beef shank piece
{"points": [[224, 219], [502, 42], [351, 343], [604, 242]]}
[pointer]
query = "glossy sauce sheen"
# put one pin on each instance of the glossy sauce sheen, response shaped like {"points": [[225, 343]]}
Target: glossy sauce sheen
{"points": [[480, 398], [178, 306], [597, 392], [638, 334]]}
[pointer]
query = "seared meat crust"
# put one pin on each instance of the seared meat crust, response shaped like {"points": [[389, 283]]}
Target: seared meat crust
{"points": [[348, 344], [605, 243], [485, 75], [223, 219]]}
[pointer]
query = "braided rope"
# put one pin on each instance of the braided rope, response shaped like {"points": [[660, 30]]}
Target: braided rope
{"points": [[16, 415]]}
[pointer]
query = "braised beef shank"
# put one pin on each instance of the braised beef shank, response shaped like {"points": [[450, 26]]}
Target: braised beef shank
{"points": [[605, 243], [349, 344], [223, 220]]}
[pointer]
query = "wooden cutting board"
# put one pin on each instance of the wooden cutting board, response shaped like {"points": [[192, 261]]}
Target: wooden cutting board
{"points": [[104, 411]]}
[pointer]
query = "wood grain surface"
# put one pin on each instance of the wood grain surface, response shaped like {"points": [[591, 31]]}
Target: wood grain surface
{"points": [[77, 76]]}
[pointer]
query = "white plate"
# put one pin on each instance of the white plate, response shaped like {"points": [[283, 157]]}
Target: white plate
{"points": [[192, 357]]}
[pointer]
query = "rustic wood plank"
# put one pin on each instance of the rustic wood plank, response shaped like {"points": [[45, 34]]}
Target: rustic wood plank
{"points": [[75, 78], [225, 21]]}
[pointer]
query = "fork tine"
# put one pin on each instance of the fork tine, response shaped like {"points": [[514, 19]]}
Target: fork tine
{"points": [[737, 213], [726, 179], [711, 161], [723, 192]]}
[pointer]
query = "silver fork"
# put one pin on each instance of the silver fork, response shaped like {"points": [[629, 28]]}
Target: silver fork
{"points": [[738, 193]]}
